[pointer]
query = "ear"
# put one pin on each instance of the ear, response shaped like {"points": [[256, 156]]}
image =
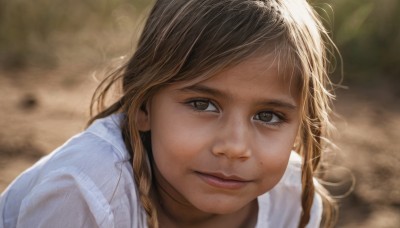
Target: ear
{"points": [[143, 118]]}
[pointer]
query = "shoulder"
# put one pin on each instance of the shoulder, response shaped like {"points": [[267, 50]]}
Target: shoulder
{"points": [[98, 154], [87, 180], [284, 200]]}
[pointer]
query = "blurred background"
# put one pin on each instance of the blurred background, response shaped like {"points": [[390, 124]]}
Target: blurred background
{"points": [[54, 52]]}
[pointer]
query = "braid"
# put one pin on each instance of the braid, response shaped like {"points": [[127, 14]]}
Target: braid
{"points": [[310, 150], [313, 128], [141, 171], [141, 167], [307, 195], [308, 191], [143, 180]]}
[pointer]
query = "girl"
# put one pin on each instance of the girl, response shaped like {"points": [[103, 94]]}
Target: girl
{"points": [[213, 101]]}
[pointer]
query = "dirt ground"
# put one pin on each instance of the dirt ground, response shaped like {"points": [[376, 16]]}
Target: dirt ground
{"points": [[40, 109]]}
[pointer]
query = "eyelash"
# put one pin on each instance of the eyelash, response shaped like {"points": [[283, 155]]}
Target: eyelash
{"points": [[280, 116], [192, 105]]}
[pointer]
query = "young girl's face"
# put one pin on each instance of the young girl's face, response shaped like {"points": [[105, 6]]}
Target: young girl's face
{"points": [[220, 143]]}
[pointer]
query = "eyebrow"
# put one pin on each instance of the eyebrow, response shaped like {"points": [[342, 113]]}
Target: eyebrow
{"points": [[217, 93]]}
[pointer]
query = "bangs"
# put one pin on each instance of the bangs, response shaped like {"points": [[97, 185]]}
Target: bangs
{"points": [[212, 35]]}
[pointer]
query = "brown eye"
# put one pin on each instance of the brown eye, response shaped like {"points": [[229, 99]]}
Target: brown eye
{"points": [[268, 117], [203, 105], [265, 116]]}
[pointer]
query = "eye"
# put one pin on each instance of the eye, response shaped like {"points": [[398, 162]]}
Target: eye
{"points": [[268, 117], [203, 105]]}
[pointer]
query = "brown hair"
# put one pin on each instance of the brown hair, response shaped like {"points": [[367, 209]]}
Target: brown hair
{"points": [[187, 39]]}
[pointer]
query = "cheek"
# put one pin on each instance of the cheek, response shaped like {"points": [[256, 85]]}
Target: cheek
{"points": [[177, 139], [273, 155], [272, 170]]}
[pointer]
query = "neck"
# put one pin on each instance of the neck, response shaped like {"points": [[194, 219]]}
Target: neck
{"points": [[175, 211]]}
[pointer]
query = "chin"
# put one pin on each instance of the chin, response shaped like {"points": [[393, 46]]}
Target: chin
{"points": [[218, 207]]}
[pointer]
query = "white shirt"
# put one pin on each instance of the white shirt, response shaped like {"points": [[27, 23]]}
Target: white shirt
{"points": [[88, 182]]}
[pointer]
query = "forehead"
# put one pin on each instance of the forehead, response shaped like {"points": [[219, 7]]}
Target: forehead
{"points": [[261, 75]]}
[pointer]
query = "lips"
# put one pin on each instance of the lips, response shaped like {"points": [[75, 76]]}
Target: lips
{"points": [[219, 180]]}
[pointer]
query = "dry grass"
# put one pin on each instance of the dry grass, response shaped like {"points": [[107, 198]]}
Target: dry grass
{"points": [[32, 32]]}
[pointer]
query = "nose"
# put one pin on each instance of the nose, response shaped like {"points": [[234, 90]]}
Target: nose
{"points": [[233, 140]]}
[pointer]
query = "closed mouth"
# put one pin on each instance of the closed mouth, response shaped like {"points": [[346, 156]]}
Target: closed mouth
{"points": [[220, 180], [225, 177]]}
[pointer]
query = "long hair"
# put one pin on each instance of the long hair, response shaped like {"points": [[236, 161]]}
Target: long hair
{"points": [[183, 40]]}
